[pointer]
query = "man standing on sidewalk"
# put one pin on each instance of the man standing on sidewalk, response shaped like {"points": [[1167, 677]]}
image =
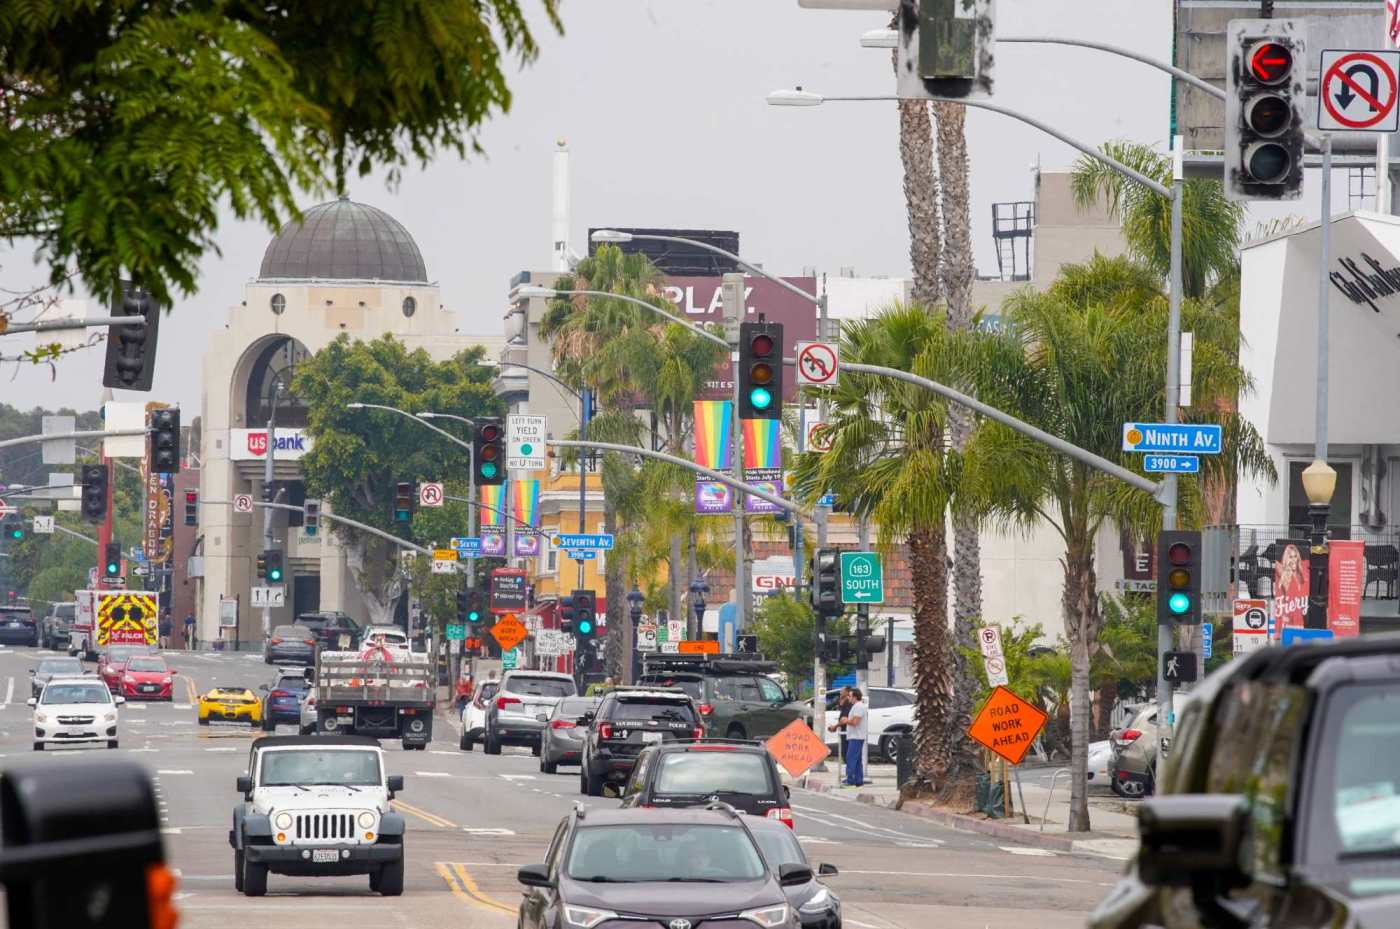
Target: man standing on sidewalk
{"points": [[856, 721], [843, 703]]}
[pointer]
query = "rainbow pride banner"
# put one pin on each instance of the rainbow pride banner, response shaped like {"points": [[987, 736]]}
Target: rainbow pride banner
{"points": [[525, 503], [763, 447], [493, 504], [714, 434]]}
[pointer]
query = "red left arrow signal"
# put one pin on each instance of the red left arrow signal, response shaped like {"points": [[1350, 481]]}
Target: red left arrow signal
{"points": [[1270, 62]]}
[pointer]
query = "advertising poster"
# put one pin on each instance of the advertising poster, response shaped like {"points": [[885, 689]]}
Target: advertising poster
{"points": [[763, 462], [1346, 577], [527, 544], [525, 507], [491, 513], [714, 449], [712, 497], [1290, 606], [493, 543]]}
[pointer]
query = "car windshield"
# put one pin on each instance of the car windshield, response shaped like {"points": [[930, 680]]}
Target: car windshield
{"points": [[59, 666], [76, 693], [291, 683], [691, 685], [541, 686], [64, 612], [1364, 800], [663, 852], [644, 710], [780, 847], [119, 655], [575, 707], [303, 767], [147, 664], [713, 772]]}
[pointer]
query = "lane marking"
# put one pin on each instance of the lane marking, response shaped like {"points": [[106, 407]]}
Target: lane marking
{"points": [[224, 748], [1036, 852], [170, 830], [470, 830], [174, 771], [9, 691], [517, 777], [424, 815], [431, 774], [475, 892]]}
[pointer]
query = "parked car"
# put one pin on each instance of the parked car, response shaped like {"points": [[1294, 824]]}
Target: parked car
{"points": [[735, 696], [147, 677], [741, 774], [18, 626], [1279, 798], [334, 631], [296, 644], [517, 714], [56, 629], [50, 668], [561, 741], [75, 711], [627, 720], [474, 714], [660, 868], [1100, 763], [1133, 766], [891, 715], [306, 722], [112, 660], [282, 703], [817, 907]]}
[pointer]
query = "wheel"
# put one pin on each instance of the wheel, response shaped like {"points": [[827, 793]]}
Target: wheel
{"points": [[1129, 788], [548, 767], [254, 878], [465, 743], [38, 746], [391, 878], [204, 720], [535, 750], [736, 731], [889, 746], [593, 786], [238, 871], [492, 746], [268, 725], [111, 743]]}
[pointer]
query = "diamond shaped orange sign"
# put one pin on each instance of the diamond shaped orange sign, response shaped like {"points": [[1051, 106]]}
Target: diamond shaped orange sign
{"points": [[796, 747], [509, 632], [1007, 725]]}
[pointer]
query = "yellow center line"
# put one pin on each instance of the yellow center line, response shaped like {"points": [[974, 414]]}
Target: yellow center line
{"points": [[424, 815], [189, 686], [475, 892]]}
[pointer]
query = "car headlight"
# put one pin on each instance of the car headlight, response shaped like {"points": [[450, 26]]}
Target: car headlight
{"points": [[366, 819], [770, 917], [40, 718], [283, 821], [167, 681], [110, 718], [586, 917], [820, 901]]}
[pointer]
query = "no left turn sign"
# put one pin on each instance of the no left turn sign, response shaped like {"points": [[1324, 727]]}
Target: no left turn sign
{"points": [[1357, 92], [817, 363]]}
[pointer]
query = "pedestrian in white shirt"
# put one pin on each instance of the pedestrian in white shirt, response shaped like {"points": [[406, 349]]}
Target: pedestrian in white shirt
{"points": [[857, 723]]}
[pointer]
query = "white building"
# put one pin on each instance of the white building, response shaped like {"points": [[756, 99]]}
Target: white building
{"points": [[346, 268]]}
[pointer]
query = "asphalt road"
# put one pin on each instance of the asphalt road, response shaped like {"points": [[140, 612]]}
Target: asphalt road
{"points": [[474, 819]]}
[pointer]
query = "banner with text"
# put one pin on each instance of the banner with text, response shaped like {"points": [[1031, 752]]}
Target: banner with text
{"points": [[1346, 578], [714, 449], [1290, 606], [525, 507], [763, 462]]}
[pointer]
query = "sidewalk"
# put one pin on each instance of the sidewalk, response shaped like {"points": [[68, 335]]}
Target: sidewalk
{"points": [[1114, 820]]}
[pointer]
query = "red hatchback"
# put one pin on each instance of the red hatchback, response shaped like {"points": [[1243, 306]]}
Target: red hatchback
{"points": [[146, 677]]}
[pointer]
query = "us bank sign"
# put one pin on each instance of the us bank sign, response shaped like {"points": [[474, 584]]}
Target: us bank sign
{"points": [[252, 444]]}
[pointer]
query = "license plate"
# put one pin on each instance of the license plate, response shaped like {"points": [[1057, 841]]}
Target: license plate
{"points": [[324, 855], [652, 736], [148, 688], [542, 717]]}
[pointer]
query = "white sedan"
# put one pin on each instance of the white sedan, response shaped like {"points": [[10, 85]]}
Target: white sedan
{"points": [[75, 710], [1100, 759]]}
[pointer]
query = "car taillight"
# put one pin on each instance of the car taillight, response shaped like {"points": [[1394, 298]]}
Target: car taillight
{"points": [[605, 730], [503, 702], [706, 709], [783, 815], [562, 724], [275, 641], [698, 732], [280, 693], [1130, 735], [309, 641]]}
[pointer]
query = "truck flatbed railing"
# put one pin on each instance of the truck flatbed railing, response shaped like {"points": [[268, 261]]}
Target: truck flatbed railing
{"points": [[350, 678]]}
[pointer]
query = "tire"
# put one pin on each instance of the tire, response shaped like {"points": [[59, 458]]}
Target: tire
{"points": [[549, 767], [593, 786], [254, 879], [464, 743], [204, 720], [391, 879], [535, 750], [111, 743], [492, 745], [268, 725], [38, 746], [238, 871], [889, 745], [1130, 789], [305, 730], [736, 731]]}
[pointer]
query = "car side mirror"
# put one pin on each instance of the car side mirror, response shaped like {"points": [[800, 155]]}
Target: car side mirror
{"points": [[262, 687], [119, 701], [32, 701], [244, 784], [394, 782], [826, 869], [790, 875], [533, 875], [787, 791], [1190, 836], [172, 671], [31, 672], [586, 719]]}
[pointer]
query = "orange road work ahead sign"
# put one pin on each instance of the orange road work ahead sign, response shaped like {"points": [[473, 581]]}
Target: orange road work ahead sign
{"points": [[796, 747], [509, 632], [1007, 725]]}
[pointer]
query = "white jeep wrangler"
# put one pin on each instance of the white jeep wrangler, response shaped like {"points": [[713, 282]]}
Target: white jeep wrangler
{"points": [[317, 805]]}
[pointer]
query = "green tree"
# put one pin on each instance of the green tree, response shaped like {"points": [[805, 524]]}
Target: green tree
{"points": [[359, 455], [128, 124], [786, 630]]}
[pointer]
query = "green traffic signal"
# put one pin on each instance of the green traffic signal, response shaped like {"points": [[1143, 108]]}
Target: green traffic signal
{"points": [[16, 533], [1178, 603], [274, 574], [585, 627], [760, 398], [488, 469], [473, 616]]}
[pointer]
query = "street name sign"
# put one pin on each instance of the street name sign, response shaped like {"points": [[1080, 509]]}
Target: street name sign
{"points": [[466, 546], [1169, 438], [862, 578], [525, 442], [1007, 725], [1171, 464], [1357, 91], [580, 554], [597, 541]]}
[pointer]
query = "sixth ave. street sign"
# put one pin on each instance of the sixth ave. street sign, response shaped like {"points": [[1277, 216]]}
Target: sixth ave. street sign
{"points": [[862, 578]]}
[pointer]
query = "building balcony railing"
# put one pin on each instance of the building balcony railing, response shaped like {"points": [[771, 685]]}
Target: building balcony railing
{"points": [[1258, 548]]}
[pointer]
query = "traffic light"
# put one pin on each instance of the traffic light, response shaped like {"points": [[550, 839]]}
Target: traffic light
{"points": [[566, 614], [761, 370], [943, 48], [826, 583], [262, 565], [164, 427], [131, 350], [403, 502], [475, 606], [1264, 94], [462, 607], [94, 492], [867, 644], [311, 516], [837, 650], [489, 451], [1179, 578], [585, 615], [273, 559], [191, 507], [14, 529], [112, 561]]}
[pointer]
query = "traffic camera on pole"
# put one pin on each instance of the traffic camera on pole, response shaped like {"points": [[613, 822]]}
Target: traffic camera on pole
{"points": [[403, 502], [1264, 94], [761, 370], [489, 451], [164, 427], [1179, 578], [94, 501]]}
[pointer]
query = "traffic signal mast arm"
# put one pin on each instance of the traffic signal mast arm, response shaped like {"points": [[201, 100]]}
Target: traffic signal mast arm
{"points": [[88, 434], [387, 536]]}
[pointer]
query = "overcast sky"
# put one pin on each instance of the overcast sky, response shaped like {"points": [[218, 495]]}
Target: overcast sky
{"points": [[662, 104]]}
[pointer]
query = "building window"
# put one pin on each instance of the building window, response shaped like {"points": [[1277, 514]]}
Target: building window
{"points": [[410, 306], [1338, 517], [551, 561], [278, 304]]}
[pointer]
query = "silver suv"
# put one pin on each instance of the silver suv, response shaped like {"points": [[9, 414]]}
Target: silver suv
{"points": [[522, 707]]}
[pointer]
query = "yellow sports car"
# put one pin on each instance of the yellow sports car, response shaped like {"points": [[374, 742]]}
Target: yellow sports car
{"points": [[230, 704]]}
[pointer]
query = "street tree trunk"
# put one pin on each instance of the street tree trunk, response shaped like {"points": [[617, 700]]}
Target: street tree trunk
{"points": [[376, 576], [920, 199], [933, 667], [1082, 622]]}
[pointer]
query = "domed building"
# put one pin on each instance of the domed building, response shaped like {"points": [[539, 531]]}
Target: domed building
{"points": [[345, 267]]}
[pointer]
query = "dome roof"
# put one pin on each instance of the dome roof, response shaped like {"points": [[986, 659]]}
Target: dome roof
{"points": [[343, 240]]}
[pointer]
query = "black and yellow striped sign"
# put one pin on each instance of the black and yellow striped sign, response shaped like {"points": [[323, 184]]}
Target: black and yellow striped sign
{"points": [[127, 618]]}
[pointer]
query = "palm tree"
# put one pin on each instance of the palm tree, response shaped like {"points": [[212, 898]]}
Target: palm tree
{"points": [[1078, 361], [890, 459]]}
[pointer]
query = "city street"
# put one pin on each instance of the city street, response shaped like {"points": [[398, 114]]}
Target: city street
{"points": [[473, 819]]}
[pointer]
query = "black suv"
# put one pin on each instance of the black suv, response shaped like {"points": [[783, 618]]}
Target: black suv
{"points": [[1279, 800], [734, 693], [335, 632], [741, 774], [628, 719]]}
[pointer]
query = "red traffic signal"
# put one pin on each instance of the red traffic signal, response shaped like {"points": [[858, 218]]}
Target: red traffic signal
{"points": [[1270, 62]]}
